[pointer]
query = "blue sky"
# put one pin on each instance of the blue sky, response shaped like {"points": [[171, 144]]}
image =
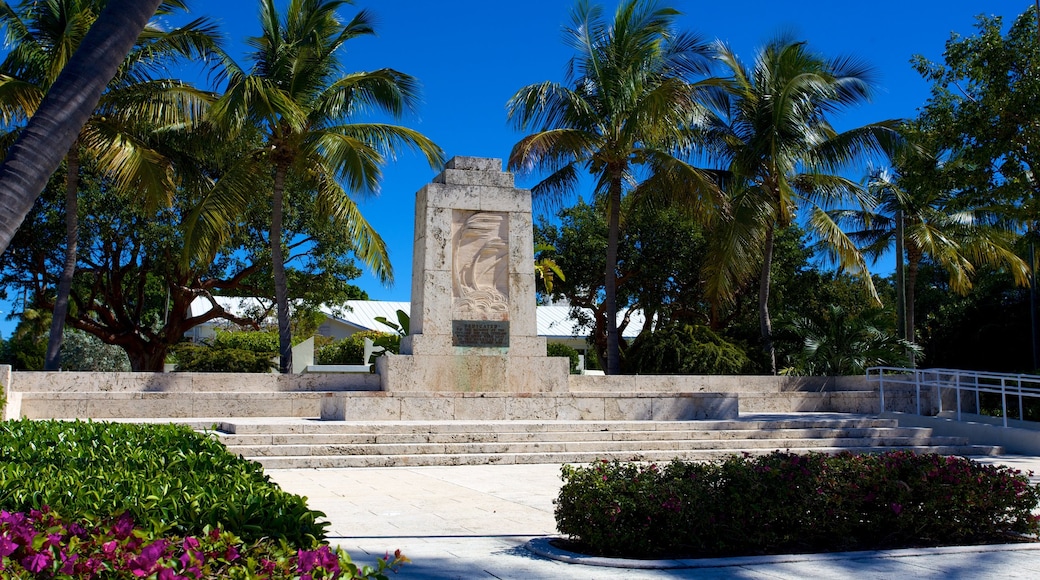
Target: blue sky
{"points": [[472, 55]]}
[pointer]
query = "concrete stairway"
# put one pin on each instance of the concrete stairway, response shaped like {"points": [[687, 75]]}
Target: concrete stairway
{"points": [[324, 444]]}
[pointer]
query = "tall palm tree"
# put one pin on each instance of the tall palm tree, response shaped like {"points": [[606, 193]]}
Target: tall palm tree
{"points": [[624, 113], [919, 215], [780, 154], [42, 145], [44, 36], [303, 101]]}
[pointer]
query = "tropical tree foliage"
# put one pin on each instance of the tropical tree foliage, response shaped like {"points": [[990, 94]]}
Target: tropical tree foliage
{"points": [[836, 343], [623, 113], [44, 36], [306, 106], [132, 289], [70, 101], [918, 213], [780, 155]]}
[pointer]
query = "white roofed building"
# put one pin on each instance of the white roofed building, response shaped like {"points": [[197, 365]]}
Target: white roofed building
{"points": [[554, 322]]}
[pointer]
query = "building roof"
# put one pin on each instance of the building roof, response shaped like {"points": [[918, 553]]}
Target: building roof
{"points": [[553, 321]]}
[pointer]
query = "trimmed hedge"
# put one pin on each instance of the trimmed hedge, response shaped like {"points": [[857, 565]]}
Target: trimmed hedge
{"points": [[784, 502], [562, 350], [351, 350], [167, 477]]}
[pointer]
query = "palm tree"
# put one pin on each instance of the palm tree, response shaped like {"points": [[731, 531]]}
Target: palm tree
{"points": [[779, 151], [70, 101], [837, 343], [626, 111], [44, 37], [919, 215], [304, 103]]}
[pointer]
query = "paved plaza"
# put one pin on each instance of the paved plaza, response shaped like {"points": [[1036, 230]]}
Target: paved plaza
{"points": [[472, 522]]}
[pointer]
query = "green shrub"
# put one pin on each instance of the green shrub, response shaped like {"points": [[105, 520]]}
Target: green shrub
{"points": [[167, 477], [207, 359], [557, 349], [258, 341], [685, 350], [350, 350], [783, 502]]}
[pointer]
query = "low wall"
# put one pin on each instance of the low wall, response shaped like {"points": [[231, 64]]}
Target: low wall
{"points": [[427, 406], [715, 383], [113, 382]]}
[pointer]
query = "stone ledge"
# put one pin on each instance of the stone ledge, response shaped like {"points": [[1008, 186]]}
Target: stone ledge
{"points": [[398, 406]]}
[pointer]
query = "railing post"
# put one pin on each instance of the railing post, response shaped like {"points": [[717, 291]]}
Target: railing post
{"points": [[1003, 401], [957, 390], [1021, 407], [917, 385], [881, 389]]}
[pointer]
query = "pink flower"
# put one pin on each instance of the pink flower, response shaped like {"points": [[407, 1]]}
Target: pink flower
{"points": [[123, 526], [7, 546], [37, 562]]}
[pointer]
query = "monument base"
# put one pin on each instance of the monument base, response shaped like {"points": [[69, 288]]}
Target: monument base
{"points": [[426, 406], [468, 373]]}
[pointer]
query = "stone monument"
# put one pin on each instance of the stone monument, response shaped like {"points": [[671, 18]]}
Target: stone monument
{"points": [[473, 322]]}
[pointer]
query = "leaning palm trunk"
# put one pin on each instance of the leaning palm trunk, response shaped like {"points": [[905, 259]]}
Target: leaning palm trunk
{"points": [[764, 321], [52, 362], [69, 103], [281, 294]]}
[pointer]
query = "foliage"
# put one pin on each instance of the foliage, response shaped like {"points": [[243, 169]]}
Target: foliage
{"points": [[167, 477], [783, 502], [683, 349], [27, 346], [839, 344], [132, 290], [45, 545], [987, 329], [985, 98], [392, 343], [545, 267], [624, 114], [311, 131], [201, 358], [259, 341], [351, 350], [779, 155], [85, 352], [558, 349], [660, 255]]}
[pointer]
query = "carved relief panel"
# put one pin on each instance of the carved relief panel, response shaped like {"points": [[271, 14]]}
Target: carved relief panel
{"points": [[480, 265]]}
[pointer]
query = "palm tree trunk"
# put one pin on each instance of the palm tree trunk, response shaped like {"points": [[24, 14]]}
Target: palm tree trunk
{"points": [[913, 265], [69, 103], [52, 361], [764, 322], [281, 295], [900, 279], [613, 366]]}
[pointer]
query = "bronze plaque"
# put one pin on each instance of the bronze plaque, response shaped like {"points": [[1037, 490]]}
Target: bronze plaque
{"points": [[480, 333]]}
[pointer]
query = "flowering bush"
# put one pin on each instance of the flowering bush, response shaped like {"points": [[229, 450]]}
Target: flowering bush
{"points": [[784, 502], [166, 476], [40, 544]]}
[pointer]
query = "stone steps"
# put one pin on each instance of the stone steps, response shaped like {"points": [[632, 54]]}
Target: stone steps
{"points": [[573, 436], [433, 460], [314, 444]]}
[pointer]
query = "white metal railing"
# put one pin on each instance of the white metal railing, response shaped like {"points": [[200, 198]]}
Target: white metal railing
{"points": [[1016, 387]]}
